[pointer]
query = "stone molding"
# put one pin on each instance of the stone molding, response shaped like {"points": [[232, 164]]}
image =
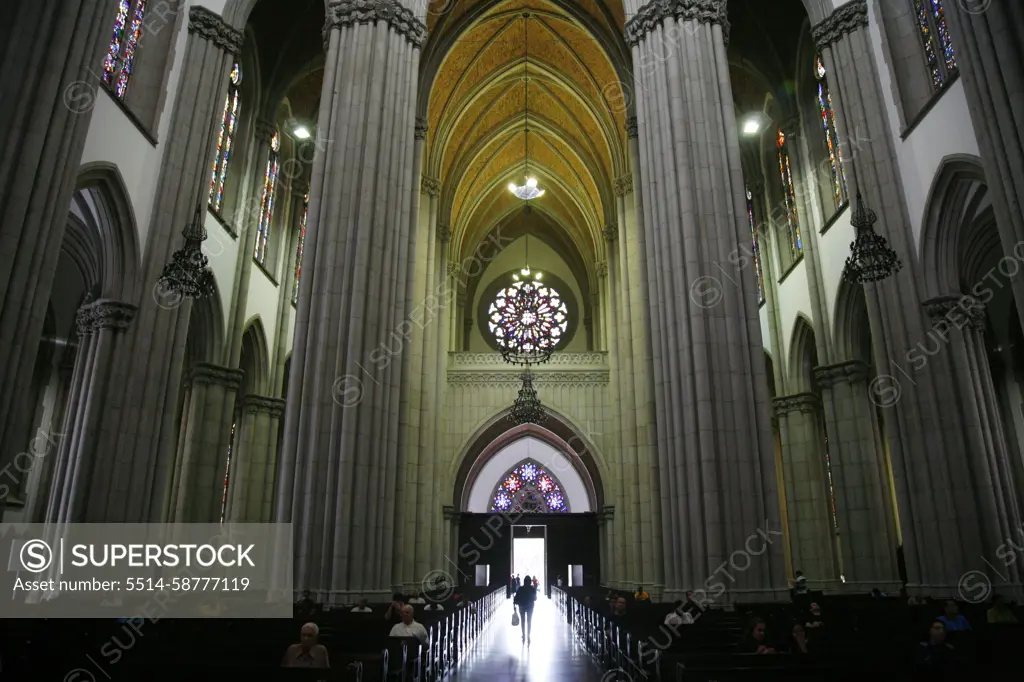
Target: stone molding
{"points": [[611, 232], [850, 372], [421, 128], [207, 373], [510, 378], [632, 128], [104, 314], [254, 404], [343, 13], [654, 13], [495, 359], [843, 21], [959, 311], [444, 233], [264, 131], [801, 402], [602, 271], [606, 515], [430, 186], [212, 27], [451, 514], [623, 185]]}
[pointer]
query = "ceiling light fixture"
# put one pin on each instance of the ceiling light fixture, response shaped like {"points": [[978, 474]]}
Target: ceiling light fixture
{"points": [[530, 190], [302, 132], [751, 127]]}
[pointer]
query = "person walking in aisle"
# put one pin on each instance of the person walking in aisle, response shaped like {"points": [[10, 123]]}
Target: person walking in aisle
{"points": [[526, 597]]}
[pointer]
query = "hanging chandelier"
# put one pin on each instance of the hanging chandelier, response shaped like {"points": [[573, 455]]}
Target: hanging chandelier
{"points": [[871, 258], [528, 190], [527, 408], [188, 274]]}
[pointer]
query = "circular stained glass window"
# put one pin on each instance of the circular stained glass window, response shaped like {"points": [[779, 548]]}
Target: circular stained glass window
{"points": [[528, 320]]}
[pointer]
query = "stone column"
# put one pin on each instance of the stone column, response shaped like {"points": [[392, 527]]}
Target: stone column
{"points": [[53, 53], [254, 461], [860, 476], [287, 290], [947, 524], [811, 533], [609, 548], [716, 463], [79, 474], [139, 429], [988, 39], [339, 465], [200, 465]]}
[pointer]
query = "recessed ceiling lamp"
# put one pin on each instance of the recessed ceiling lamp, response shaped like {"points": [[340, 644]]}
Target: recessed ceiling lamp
{"points": [[529, 190]]}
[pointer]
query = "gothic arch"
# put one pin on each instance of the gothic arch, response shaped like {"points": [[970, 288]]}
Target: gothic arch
{"points": [[852, 328], [205, 341], [255, 360], [802, 356], [497, 433]]}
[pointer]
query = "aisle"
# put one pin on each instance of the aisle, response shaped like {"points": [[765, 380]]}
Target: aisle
{"points": [[553, 655]]}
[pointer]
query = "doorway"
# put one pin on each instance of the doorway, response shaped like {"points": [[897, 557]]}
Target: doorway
{"points": [[529, 554]]}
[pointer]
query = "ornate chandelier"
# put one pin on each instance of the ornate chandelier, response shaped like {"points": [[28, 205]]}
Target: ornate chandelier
{"points": [[871, 258], [529, 190], [188, 274], [527, 408]]}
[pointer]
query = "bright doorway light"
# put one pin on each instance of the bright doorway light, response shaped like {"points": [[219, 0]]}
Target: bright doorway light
{"points": [[528, 559]]}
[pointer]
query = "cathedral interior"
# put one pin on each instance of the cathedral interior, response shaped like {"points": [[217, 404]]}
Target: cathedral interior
{"points": [[653, 298]]}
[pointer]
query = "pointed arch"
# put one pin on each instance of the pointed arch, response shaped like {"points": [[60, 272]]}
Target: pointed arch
{"points": [[255, 360], [803, 356], [205, 341], [852, 328]]}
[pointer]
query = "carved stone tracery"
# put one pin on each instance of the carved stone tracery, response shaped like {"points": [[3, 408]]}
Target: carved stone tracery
{"points": [[104, 314]]}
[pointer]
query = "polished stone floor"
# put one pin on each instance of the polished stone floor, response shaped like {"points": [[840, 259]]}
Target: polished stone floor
{"points": [[499, 655]]}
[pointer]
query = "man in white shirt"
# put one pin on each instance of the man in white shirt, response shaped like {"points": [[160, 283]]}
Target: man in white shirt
{"points": [[409, 627], [361, 607]]}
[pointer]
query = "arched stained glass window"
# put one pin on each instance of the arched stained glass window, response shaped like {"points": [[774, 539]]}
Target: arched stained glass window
{"points": [[938, 46], [299, 247], [828, 122], [267, 203], [757, 247], [529, 489], [789, 196], [120, 60], [227, 472], [228, 121]]}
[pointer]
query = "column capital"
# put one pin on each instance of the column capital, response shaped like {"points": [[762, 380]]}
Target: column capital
{"points": [[253, 404], [801, 402], [264, 131], [421, 128], [844, 20], [602, 269], [606, 515], [208, 373], [429, 185], [611, 232], [104, 314], [632, 128], [959, 310], [444, 233], [451, 514], [623, 185], [850, 372], [343, 13], [212, 27], [652, 14]]}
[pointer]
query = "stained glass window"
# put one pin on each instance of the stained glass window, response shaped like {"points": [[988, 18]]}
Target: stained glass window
{"points": [[227, 471], [828, 122], [938, 46], [789, 196], [298, 249], [759, 274], [267, 203], [529, 489], [124, 42], [831, 487], [228, 121], [528, 318]]}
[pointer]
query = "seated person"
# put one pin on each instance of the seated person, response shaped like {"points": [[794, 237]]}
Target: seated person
{"points": [[934, 658], [692, 606], [306, 607], [953, 619], [677, 616], [409, 627], [755, 642], [1000, 612], [394, 612], [640, 595], [361, 607], [434, 606], [814, 618], [417, 599], [307, 653], [798, 643]]}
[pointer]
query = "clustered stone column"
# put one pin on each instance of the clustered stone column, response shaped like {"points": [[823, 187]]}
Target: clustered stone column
{"points": [[808, 502], [81, 474], [864, 505], [340, 460], [201, 462], [254, 461], [49, 97], [949, 521], [715, 457]]}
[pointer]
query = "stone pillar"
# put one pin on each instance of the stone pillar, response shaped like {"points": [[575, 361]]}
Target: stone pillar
{"points": [[201, 462], [254, 461], [609, 549], [139, 427], [988, 39], [860, 476], [53, 53], [947, 524], [287, 289], [452, 522], [340, 462], [716, 464], [81, 473], [811, 534]]}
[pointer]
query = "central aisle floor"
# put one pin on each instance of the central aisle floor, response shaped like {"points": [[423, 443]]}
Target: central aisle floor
{"points": [[553, 655]]}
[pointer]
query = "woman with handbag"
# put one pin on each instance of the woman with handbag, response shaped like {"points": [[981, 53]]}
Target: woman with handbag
{"points": [[526, 597]]}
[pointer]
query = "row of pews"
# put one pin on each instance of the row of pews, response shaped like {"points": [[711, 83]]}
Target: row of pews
{"points": [[861, 637], [358, 645]]}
